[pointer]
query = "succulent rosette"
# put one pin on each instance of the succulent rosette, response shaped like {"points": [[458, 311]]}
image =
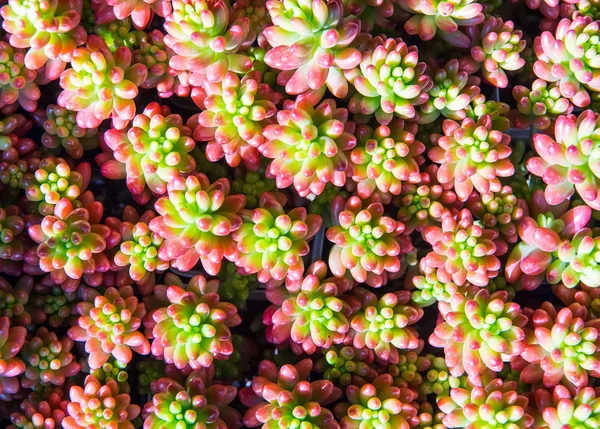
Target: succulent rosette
{"points": [[479, 332], [196, 221], [429, 289], [577, 260], [154, 54], [50, 30], [101, 85], [51, 303], [347, 365], [452, 91], [571, 64], [109, 326], [140, 11], [501, 210], [12, 339], [61, 130], [371, 13], [307, 146], [53, 181], [568, 162], [472, 155], [540, 105], [561, 346], [432, 15], [497, 49], [463, 250], [236, 112], [425, 203], [384, 324], [36, 412], [152, 152], [99, 405], [272, 242], [139, 249], [71, 241], [530, 261], [564, 408], [498, 110], [379, 404], [48, 359], [204, 42], [311, 44], [119, 33], [13, 240], [291, 400], [194, 328], [198, 404], [256, 12], [312, 315], [17, 83], [497, 401], [379, 91], [112, 370], [366, 242], [386, 157]]}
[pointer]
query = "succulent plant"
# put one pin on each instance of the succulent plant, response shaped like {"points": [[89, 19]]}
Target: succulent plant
{"points": [[119, 33], [61, 130], [271, 242], [540, 105], [366, 242], [463, 250], [386, 158], [139, 249], [194, 328], [196, 221], [205, 43], [530, 261], [371, 13], [572, 65], [567, 409], [384, 324], [236, 112], [479, 332], [109, 326], [312, 44], [235, 287], [501, 210], [377, 404], [307, 146], [472, 155], [100, 405], [14, 301], [36, 412], [561, 345], [313, 314], [17, 83], [429, 289], [568, 162], [152, 152], [425, 203], [256, 12], [496, 401], [438, 379], [13, 242], [149, 371], [253, 184], [291, 400], [347, 365], [497, 48], [498, 110], [71, 241], [140, 11], [113, 370], [198, 404], [154, 54], [50, 30], [48, 359], [452, 91], [577, 259], [432, 15], [12, 339], [101, 84], [390, 81], [54, 180]]}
